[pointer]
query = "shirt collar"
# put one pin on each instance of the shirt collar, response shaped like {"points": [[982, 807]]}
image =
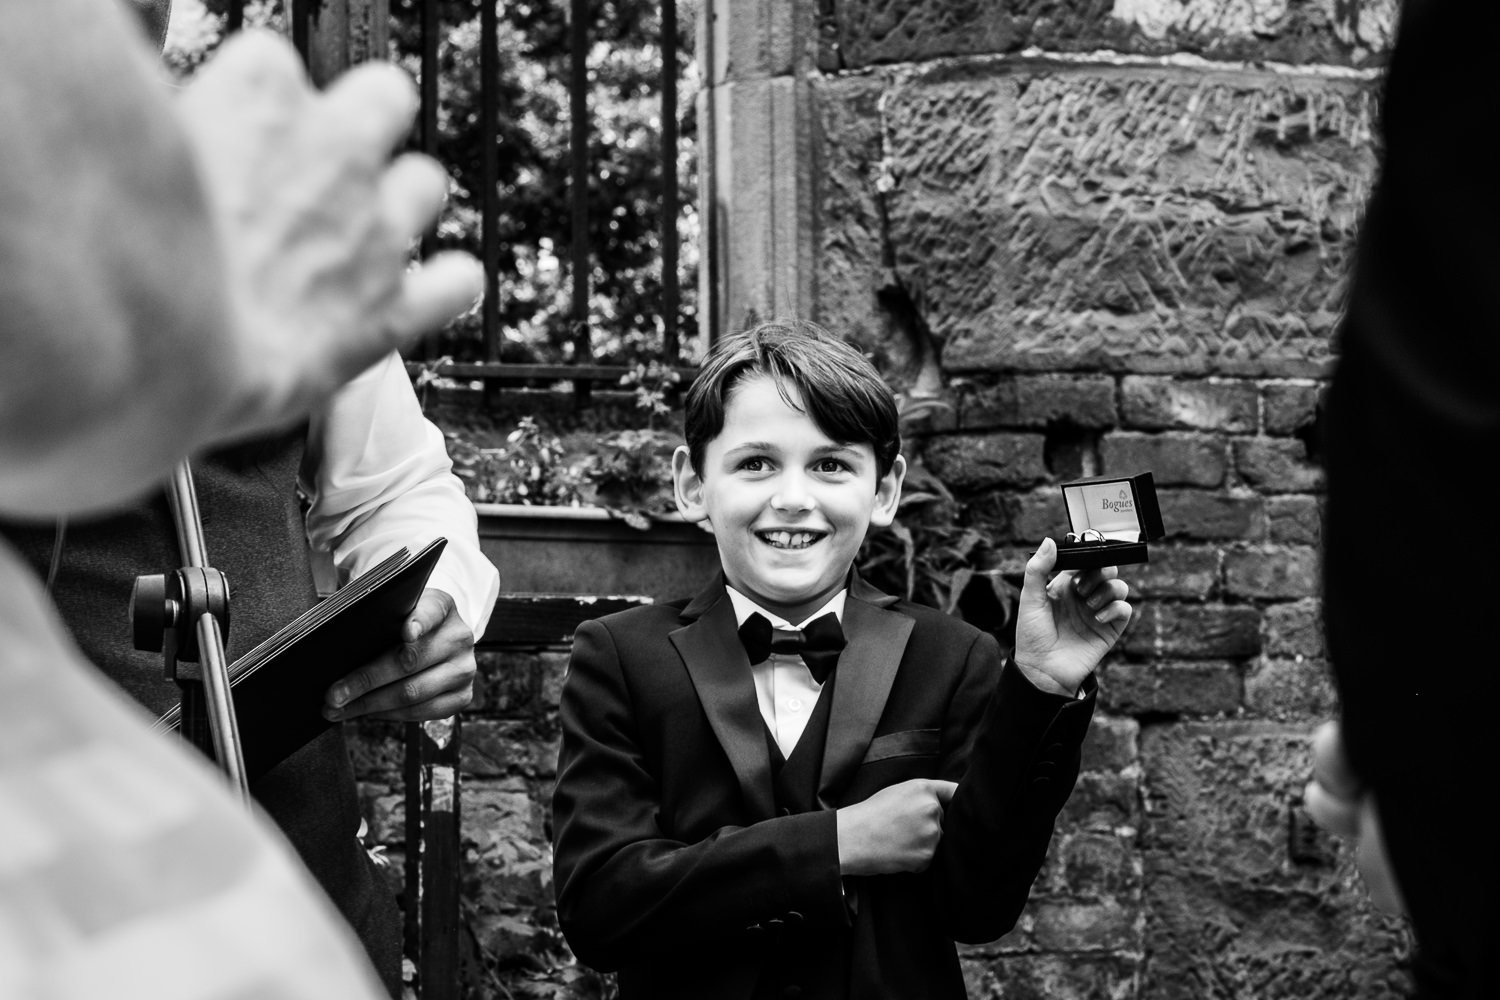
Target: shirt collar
{"points": [[744, 607]]}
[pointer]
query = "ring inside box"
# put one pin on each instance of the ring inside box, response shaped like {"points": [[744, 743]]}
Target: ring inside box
{"points": [[1112, 518], [1108, 508]]}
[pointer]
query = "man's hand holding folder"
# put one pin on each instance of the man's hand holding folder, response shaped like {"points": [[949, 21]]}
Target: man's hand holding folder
{"points": [[430, 675], [377, 621]]}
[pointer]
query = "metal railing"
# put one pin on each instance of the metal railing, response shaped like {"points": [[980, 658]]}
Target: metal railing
{"points": [[581, 371]]}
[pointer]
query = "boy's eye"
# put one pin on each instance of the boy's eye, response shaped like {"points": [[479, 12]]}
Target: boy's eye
{"points": [[753, 464], [830, 465]]}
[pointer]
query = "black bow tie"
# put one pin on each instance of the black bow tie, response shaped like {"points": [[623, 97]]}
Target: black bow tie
{"points": [[818, 644]]}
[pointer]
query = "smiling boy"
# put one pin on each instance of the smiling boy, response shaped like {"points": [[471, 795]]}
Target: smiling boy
{"points": [[794, 785]]}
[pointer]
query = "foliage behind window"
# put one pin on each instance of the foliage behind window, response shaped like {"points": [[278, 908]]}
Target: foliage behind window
{"points": [[534, 226]]}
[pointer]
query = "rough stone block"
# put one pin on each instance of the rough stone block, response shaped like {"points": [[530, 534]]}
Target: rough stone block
{"points": [[1039, 400], [1281, 572], [377, 749], [1193, 688], [1103, 801], [1176, 571], [1277, 465], [1173, 459], [1193, 631], [1289, 407], [518, 684], [1052, 976], [854, 231], [1136, 219], [1295, 629], [1272, 943], [493, 748], [1287, 690], [1294, 520], [386, 815], [1154, 403], [979, 461], [1089, 865], [1105, 925], [1212, 516], [501, 810], [866, 32], [1111, 744], [1250, 771], [1026, 518]]}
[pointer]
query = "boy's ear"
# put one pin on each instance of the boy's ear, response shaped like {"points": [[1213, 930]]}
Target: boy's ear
{"points": [[888, 494], [687, 487]]}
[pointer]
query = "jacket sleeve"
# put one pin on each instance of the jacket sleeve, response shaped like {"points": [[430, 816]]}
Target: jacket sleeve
{"points": [[627, 892], [1017, 773]]}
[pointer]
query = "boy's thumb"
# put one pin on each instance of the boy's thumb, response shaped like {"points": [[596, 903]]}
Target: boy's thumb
{"points": [[943, 789]]}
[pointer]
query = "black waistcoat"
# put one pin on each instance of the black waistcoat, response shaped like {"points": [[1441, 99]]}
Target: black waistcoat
{"points": [[798, 963]]}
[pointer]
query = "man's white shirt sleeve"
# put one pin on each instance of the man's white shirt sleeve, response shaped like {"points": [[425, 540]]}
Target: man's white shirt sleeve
{"points": [[378, 477]]}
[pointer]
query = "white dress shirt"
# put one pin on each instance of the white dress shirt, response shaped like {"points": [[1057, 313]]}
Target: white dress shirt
{"points": [[784, 687], [378, 477]]}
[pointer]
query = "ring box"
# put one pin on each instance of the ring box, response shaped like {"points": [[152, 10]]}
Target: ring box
{"points": [[1122, 509]]}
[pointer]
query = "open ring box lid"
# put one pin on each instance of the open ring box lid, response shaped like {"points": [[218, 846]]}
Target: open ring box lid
{"points": [[1121, 508]]}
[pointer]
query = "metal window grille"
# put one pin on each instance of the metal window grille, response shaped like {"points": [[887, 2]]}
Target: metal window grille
{"points": [[484, 362]]}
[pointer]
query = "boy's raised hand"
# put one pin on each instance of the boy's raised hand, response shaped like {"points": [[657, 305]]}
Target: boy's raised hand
{"points": [[1065, 626], [895, 830]]}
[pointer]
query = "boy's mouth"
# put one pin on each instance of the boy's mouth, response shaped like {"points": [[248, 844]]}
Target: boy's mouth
{"points": [[789, 539]]}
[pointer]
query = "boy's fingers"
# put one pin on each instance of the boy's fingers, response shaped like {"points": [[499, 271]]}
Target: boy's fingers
{"points": [[1039, 568], [942, 789], [1043, 559]]}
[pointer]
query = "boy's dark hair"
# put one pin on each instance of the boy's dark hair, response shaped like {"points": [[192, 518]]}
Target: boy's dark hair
{"points": [[841, 391]]}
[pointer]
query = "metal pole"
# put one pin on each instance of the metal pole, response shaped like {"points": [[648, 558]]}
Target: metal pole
{"points": [[489, 172], [579, 191], [213, 664], [669, 276]]}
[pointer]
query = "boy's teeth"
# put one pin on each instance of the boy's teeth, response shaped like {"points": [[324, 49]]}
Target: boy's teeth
{"points": [[790, 539]]}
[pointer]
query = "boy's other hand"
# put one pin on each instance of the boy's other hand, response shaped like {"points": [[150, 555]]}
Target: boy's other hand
{"points": [[1065, 626], [894, 830]]}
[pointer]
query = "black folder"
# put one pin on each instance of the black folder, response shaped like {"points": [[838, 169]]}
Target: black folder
{"points": [[278, 686]]}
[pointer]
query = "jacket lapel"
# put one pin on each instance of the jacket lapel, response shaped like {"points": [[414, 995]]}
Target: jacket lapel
{"points": [[865, 673], [710, 647]]}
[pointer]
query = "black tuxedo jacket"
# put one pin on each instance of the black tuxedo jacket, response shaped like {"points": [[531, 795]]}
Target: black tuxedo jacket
{"points": [[674, 866]]}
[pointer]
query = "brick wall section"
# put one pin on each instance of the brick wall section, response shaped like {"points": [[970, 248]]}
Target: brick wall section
{"points": [[1124, 262], [859, 33]]}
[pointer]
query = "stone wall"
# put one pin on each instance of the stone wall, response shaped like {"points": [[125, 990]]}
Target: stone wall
{"points": [[1109, 237]]}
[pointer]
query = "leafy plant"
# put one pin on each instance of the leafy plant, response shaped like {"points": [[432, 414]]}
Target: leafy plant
{"points": [[533, 468], [631, 473], [627, 472], [927, 555]]}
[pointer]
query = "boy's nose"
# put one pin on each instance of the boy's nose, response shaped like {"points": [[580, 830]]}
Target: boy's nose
{"points": [[792, 493]]}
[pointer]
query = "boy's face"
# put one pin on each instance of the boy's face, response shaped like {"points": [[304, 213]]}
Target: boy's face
{"points": [[788, 506]]}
